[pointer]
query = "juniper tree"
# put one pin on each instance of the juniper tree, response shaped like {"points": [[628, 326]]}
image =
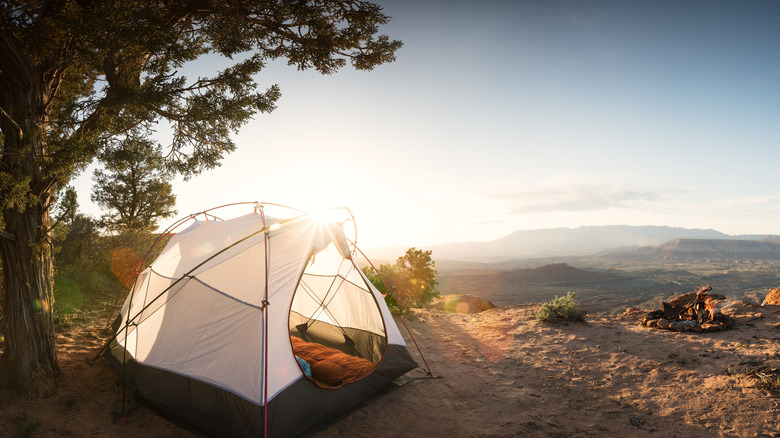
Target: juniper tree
{"points": [[76, 73], [131, 185], [414, 278], [410, 282]]}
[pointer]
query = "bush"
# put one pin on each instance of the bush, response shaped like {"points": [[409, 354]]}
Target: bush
{"points": [[560, 309], [410, 282]]}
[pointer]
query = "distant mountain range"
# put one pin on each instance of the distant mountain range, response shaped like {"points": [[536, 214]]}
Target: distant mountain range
{"points": [[707, 249], [558, 242]]}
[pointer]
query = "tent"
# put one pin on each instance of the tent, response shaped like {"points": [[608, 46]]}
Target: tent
{"points": [[256, 326]]}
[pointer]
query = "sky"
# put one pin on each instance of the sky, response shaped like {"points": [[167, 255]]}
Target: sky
{"points": [[500, 116]]}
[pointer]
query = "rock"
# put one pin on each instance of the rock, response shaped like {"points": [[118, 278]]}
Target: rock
{"points": [[688, 325], [664, 323], [677, 326], [461, 303], [652, 323], [647, 320], [686, 300], [773, 298], [671, 312], [711, 327], [726, 322], [632, 312]]}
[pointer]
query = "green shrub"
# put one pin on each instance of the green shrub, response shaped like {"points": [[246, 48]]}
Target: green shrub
{"points": [[560, 309]]}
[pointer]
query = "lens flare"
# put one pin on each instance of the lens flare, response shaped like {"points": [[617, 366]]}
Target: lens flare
{"points": [[206, 248], [41, 305], [123, 263]]}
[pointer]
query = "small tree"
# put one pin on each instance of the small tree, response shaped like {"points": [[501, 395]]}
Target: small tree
{"points": [[133, 187], [414, 279], [410, 282]]}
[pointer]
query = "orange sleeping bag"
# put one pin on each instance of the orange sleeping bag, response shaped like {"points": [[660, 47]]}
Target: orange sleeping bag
{"points": [[330, 365]]}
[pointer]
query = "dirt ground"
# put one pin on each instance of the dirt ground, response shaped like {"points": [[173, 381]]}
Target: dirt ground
{"points": [[500, 373]]}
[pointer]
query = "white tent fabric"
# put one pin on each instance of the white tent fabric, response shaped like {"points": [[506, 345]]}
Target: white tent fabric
{"points": [[198, 310]]}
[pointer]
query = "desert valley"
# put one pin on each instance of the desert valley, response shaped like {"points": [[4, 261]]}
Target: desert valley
{"points": [[616, 274]]}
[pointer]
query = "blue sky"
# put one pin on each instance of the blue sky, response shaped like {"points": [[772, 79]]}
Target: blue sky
{"points": [[506, 115]]}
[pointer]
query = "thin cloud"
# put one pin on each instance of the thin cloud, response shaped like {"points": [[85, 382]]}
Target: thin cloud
{"points": [[578, 198], [753, 200]]}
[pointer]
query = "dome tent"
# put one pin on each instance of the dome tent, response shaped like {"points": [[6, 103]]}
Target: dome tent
{"points": [[256, 326]]}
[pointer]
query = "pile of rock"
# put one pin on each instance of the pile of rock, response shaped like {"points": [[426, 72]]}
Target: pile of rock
{"points": [[696, 312]]}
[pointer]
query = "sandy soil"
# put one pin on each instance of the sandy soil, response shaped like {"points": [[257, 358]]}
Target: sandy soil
{"points": [[500, 373]]}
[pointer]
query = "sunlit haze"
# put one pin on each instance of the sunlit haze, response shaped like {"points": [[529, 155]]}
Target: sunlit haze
{"points": [[505, 115]]}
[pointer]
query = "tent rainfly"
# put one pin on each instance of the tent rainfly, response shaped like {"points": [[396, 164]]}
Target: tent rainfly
{"points": [[256, 326]]}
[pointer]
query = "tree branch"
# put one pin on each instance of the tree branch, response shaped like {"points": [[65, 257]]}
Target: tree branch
{"points": [[18, 128]]}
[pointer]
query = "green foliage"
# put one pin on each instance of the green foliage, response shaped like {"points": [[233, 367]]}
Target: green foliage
{"points": [[91, 269], [414, 280], [67, 295], [75, 74], [78, 247], [132, 186], [98, 264], [65, 207], [560, 309], [385, 272], [410, 282]]}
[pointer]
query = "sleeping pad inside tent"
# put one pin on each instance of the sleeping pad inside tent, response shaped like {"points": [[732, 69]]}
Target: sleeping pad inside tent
{"points": [[242, 314]]}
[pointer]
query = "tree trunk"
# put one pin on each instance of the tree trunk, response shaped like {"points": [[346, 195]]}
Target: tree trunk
{"points": [[30, 358]]}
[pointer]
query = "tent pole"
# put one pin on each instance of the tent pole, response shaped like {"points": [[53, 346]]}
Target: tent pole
{"points": [[187, 274], [265, 323], [175, 225], [428, 368]]}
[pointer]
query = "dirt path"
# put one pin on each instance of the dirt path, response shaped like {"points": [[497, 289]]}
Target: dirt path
{"points": [[502, 374], [505, 374]]}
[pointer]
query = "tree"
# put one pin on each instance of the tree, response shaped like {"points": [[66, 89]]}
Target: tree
{"points": [[410, 282], [132, 186], [76, 73]]}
